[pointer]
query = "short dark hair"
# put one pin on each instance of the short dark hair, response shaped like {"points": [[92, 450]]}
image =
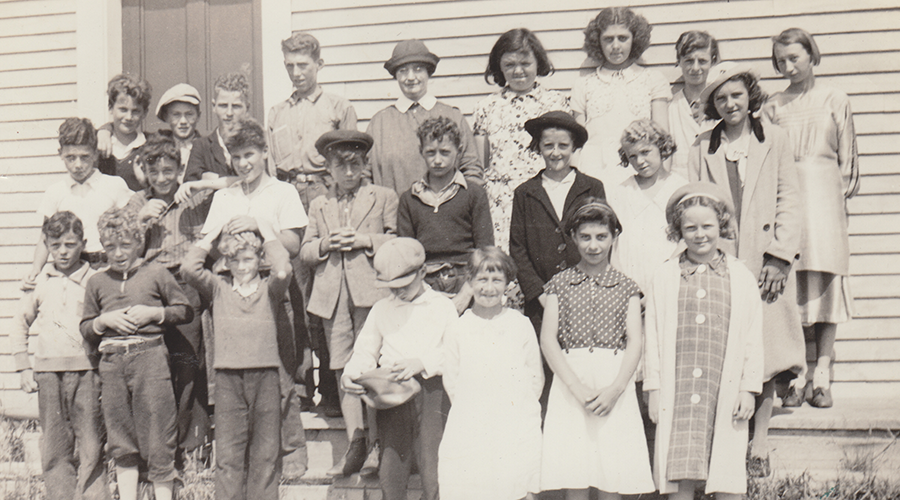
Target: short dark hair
{"points": [[757, 96], [535, 144], [592, 209], [797, 35], [233, 82], [118, 223], [692, 41], [673, 232], [61, 223], [343, 153], [77, 132], [646, 130], [516, 40], [132, 86], [160, 145], [434, 129], [491, 259], [247, 133], [636, 24], [302, 42]]}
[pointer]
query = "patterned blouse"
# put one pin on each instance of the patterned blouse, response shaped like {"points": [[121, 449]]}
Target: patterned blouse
{"points": [[592, 309]]}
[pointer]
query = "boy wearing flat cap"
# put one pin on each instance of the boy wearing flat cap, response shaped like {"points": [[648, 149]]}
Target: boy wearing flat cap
{"points": [[180, 108], [405, 333], [346, 227]]}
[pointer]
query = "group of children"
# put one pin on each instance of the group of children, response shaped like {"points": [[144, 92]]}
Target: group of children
{"points": [[391, 265]]}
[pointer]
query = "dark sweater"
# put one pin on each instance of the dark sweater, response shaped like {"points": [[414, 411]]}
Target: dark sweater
{"points": [[450, 233], [148, 284]]}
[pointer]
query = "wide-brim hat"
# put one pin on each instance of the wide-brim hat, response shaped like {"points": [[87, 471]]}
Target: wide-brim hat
{"points": [[694, 189], [181, 92], [355, 139], [719, 74], [557, 119], [397, 261], [409, 51], [383, 391]]}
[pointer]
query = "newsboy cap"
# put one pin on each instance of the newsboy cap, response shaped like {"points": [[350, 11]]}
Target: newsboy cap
{"points": [[357, 140]]}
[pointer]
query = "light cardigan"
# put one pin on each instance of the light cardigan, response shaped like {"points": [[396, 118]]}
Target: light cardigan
{"points": [[742, 370]]}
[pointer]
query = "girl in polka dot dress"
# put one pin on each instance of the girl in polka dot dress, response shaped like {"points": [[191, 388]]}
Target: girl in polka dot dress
{"points": [[591, 338]]}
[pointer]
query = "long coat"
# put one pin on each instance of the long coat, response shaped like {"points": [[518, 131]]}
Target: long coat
{"points": [[742, 370], [770, 225], [374, 212]]}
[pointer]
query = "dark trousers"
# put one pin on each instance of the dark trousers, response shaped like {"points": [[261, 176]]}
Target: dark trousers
{"points": [[248, 434], [412, 431], [69, 408]]}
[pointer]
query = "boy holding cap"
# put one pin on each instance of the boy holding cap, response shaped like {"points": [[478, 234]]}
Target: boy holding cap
{"points": [[180, 108], [405, 332], [346, 227]]}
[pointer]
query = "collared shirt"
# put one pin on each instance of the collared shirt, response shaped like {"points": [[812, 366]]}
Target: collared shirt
{"points": [[717, 265], [404, 103], [247, 289], [345, 205], [224, 149], [169, 238], [296, 124], [53, 311], [558, 190], [738, 150], [273, 200], [423, 191], [87, 200]]}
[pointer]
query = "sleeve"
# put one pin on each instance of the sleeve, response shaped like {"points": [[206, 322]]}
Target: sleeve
{"points": [[560, 102], [176, 305], [367, 348], [348, 117], [659, 86], [529, 280], [281, 272], [752, 374], [195, 275], [121, 193], [450, 368], [433, 355], [695, 162], [18, 334], [309, 248], [49, 203], [786, 238], [291, 214], [479, 117], [272, 164], [196, 162], [578, 101], [632, 288], [534, 367], [218, 214], [652, 331], [373, 165], [405, 225], [482, 226], [552, 287], [848, 156], [469, 162], [91, 310], [390, 222]]}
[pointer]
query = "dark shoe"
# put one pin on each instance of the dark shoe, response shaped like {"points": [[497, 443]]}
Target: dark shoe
{"points": [[373, 461], [794, 397], [306, 404], [758, 467], [821, 398], [353, 460], [293, 465], [332, 411]]}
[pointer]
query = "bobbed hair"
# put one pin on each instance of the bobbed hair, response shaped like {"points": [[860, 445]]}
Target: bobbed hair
{"points": [[77, 132], [692, 41], [132, 86], [673, 232], [646, 130], [434, 129], [757, 96], [302, 42], [62, 223], [796, 35], [516, 40], [636, 24], [491, 259], [592, 209]]}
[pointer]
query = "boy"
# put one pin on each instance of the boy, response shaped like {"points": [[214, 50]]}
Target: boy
{"points": [[171, 228], [446, 212], [86, 193], [180, 108], [246, 310], [405, 331], [65, 367], [128, 308], [347, 226], [129, 100], [245, 205]]}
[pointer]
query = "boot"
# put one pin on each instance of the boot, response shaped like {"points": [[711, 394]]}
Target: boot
{"points": [[353, 460]]}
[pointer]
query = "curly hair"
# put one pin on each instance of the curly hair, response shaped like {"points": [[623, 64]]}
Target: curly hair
{"points": [[160, 145], [247, 133], [516, 40], [592, 209], [692, 41], [302, 42], [490, 259], [751, 83], [132, 86], [230, 245], [233, 82], [120, 223], [673, 232], [61, 223], [77, 132], [435, 129], [796, 35], [646, 130], [636, 24]]}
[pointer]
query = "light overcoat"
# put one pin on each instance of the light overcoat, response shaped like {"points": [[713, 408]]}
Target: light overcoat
{"points": [[742, 370], [374, 212]]}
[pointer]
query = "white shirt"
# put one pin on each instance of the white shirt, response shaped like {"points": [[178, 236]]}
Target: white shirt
{"points": [[87, 200], [273, 200], [121, 151], [404, 103], [224, 149], [558, 190]]}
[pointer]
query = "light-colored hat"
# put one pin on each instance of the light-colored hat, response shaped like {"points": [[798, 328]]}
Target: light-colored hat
{"points": [[719, 74], [694, 189], [383, 392], [409, 51], [397, 261], [181, 92]]}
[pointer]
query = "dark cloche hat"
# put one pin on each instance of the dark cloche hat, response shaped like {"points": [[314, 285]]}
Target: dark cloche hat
{"points": [[409, 51], [557, 119]]}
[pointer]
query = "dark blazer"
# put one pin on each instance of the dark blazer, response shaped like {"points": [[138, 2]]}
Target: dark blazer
{"points": [[537, 240], [207, 156]]}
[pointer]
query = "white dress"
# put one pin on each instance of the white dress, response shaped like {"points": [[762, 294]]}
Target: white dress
{"points": [[491, 448]]}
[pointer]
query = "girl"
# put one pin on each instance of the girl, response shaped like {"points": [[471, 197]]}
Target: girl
{"points": [[593, 433], [695, 52], [516, 61], [491, 447], [640, 201], [819, 122], [703, 360], [755, 165], [619, 91]]}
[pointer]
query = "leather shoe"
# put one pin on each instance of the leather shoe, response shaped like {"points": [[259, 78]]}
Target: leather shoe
{"points": [[794, 397], [373, 461], [821, 398], [353, 460]]}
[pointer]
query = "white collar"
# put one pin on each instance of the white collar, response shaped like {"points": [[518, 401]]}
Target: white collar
{"points": [[248, 288], [120, 150], [222, 144], [568, 179], [89, 182], [404, 103]]}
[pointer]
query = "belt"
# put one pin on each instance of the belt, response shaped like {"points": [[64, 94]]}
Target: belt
{"points": [[131, 348], [307, 178]]}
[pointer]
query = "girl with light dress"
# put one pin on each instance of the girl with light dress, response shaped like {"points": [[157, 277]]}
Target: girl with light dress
{"points": [[491, 448], [591, 338], [819, 122], [618, 92], [703, 362]]}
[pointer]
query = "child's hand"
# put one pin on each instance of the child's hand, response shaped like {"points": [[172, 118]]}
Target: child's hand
{"points": [[406, 369], [142, 315], [186, 191], [117, 320], [27, 381], [605, 401], [583, 393], [152, 209], [653, 406], [29, 282], [104, 142], [744, 406], [350, 386], [240, 224]]}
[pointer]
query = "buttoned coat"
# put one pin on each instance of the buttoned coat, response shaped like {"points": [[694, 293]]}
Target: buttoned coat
{"points": [[374, 213], [770, 225]]}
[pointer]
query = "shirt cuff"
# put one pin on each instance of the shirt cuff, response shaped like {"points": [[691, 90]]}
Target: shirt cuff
{"points": [[22, 361], [96, 330]]}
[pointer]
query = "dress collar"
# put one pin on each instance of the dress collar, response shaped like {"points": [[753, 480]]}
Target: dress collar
{"points": [[627, 74], [607, 279], [718, 265], [535, 93], [404, 103]]}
